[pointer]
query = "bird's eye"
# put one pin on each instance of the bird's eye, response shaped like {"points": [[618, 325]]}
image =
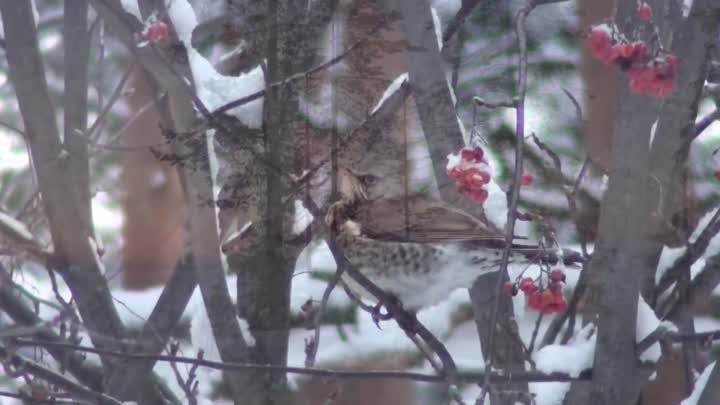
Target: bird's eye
{"points": [[368, 179]]}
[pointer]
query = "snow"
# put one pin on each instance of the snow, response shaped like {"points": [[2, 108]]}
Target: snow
{"points": [[670, 255], [647, 323], [699, 385], [391, 89], [438, 27], [303, 218], [573, 358], [14, 227], [446, 9], [216, 90], [714, 245], [132, 7], [213, 88]]}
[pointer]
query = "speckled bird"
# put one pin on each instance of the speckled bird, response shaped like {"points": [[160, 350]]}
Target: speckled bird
{"points": [[417, 248]]}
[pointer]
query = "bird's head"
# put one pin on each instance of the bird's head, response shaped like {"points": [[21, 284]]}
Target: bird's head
{"points": [[356, 187]]}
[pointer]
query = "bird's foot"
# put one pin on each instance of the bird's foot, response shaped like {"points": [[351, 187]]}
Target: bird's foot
{"points": [[377, 315]]}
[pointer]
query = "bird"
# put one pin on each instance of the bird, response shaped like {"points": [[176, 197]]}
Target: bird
{"points": [[415, 247]]}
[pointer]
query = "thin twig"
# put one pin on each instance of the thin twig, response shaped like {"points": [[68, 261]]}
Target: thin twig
{"points": [[114, 97], [59, 380], [314, 344], [466, 7], [692, 253], [298, 76], [514, 192], [465, 376], [706, 121], [536, 330]]}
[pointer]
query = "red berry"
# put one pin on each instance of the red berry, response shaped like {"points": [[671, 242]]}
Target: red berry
{"points": [[479, 196], [555, 287], [510, 288], [645, 12], [528, 286], [476, 178], [467, 155], [557, 276], [601, 45], [479, 154], [717, 174], [455, 173], [535, 300], [526, 179], [553, 302], [156, 32], [628, 55]]}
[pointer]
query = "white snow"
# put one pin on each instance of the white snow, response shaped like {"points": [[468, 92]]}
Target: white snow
{"points": [[446, 9], [573, 358], [216, 90], [714, 245], [13, 227], [303, 218], [390, 90], [213, 88], [438, 27], [647, 323], [699, 386], [670, 255], [132, 7]]}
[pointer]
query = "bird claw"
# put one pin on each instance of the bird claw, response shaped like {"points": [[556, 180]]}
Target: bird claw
{"points": [[378, 316]]}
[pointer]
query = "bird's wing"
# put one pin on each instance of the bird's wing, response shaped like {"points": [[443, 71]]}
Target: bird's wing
{"points": [[417, 218]]}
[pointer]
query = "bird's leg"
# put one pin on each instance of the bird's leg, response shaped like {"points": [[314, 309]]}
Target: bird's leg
{"points": [[375, 311], [378, 315]]}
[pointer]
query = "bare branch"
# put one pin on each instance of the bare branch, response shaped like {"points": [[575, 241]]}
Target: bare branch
{"points": [[74, 253], [466, 376], [59, 380]]}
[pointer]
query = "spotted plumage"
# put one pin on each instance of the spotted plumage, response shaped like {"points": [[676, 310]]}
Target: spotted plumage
{"points": [[414, 247]]}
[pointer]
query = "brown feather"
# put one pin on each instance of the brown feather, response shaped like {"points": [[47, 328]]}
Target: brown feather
{"points": [[418, 218]]}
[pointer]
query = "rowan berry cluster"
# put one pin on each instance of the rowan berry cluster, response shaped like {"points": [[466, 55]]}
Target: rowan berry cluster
{"points": [[471, 173], [155, 31], [547, 299], [650, 71]]}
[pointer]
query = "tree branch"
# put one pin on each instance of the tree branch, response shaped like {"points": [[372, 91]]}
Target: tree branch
{"points": [[75, 255], [465, 377]]}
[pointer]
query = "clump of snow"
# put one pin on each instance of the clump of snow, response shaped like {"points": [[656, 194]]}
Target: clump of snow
{"points": [[213, 88], [184, 20], [699, 385], [14, 228], [573, 358], [216, 90], [391, 89], [670, 255], [714, 245], [131, 6], [438, 27], [303, 218], [446, 9], [647, 323]]}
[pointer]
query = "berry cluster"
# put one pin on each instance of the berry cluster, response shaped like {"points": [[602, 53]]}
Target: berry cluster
{"points": [[548, 299], [471, 173], [651, 73], [155, 32]]}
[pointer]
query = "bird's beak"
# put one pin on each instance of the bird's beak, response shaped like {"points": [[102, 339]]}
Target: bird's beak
{"points": [[350, 187]]}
